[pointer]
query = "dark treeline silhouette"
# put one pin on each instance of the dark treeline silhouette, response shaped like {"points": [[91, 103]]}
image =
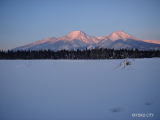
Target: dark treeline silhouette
{"points": [[80, 54]]}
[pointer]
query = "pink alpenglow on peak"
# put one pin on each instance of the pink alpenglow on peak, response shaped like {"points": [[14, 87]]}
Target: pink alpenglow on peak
{"points": [[76, 34], [121, 35], [79, 35]]}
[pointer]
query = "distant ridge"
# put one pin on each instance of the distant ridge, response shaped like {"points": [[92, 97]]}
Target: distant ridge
{"points": [[80, 40]]}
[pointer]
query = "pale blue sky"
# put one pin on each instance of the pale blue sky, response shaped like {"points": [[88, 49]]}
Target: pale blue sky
{"points": [[25, 21]]}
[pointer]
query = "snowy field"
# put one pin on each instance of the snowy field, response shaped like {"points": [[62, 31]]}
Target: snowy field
{"points": [[79, 89]]}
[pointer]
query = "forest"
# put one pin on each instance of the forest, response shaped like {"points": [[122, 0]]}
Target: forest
{"points": [[80, 54]]}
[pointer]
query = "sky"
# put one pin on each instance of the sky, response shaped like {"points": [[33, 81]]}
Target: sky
{"points": [[26, 21]]}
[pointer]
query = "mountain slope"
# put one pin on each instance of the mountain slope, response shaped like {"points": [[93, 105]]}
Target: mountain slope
{"points": [[80, 40], [152, 41]]}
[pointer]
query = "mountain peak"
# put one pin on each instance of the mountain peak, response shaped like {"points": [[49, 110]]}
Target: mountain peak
{"points": [[80, 35], [76, 34], [120, 35]]}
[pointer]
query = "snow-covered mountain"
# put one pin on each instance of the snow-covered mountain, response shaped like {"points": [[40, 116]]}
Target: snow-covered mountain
{"points": [[80, 40]]}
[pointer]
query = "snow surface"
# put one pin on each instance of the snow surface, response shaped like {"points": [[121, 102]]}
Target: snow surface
{"points": [[79, 89]]}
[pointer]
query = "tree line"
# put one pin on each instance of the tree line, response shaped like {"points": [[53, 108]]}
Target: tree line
{"points": [[80, 54]]}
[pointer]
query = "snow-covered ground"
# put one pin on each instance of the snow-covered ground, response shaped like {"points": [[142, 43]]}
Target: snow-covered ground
{"points": [[79, 89]]}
